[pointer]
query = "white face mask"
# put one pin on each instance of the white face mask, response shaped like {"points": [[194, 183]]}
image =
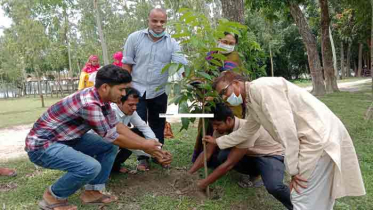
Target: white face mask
{"points": [[227, 48], [235, 100]]}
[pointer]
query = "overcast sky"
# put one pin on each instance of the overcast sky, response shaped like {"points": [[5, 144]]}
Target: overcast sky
{"points": [[4, 21]]}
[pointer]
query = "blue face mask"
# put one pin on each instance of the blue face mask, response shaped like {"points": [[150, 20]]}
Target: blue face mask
{"points": [[235, 100], [157, 35]]}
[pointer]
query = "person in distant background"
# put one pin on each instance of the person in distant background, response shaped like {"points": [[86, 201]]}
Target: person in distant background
{"points": [[233, 61], [88, 75], [118, 56]]}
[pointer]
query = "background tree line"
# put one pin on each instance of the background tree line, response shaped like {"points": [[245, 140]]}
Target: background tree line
{"points": [[327, 40]]}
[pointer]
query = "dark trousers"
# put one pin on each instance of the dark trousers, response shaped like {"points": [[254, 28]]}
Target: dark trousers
{"points": [[124, 154], [271, 169], [149, 110]]}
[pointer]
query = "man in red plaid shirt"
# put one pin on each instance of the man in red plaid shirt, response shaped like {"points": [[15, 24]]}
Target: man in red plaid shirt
{"points": [[60, 140]]}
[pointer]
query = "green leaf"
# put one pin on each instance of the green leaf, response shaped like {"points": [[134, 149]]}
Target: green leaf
{"points": [[166, 67], [184, 124], [216, 62], [179, 35], [219, 56], [177, 89], [204, 75], [176, 99]]}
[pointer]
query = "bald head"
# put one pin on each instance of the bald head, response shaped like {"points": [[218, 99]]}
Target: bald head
{"points": [[157, 10]]}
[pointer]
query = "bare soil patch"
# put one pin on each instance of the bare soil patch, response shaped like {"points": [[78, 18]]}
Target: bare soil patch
{"points": [[8, 187], [160, 182]]}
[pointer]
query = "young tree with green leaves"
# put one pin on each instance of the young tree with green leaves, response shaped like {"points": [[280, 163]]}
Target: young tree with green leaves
{"points": [[194, 93]]}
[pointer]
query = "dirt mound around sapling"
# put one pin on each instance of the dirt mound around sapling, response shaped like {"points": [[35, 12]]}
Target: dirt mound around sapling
{"points": [[187, 185], [172, 182]]}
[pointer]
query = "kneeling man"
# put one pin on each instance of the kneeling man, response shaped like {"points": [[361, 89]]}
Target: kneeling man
{"points": [[264, 157], [126, 113]]}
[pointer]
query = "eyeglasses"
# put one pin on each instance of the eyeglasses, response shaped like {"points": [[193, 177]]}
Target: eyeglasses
{"points": [[224, 90]]}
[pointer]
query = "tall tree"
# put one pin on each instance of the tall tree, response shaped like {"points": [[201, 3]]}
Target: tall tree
{"points": [[371, 49], [233, 10], [326, 49], [369, 113], [311, 46], [101, 33]]}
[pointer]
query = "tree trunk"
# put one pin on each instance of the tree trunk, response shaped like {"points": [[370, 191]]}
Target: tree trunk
{"points": [[360, 62], [326, 49], [342, 76], [233, 10], [311, 46], [334, 54], [371, 51], [348, 66], [271, 57], [40, 90], [67, 42], [101, 33]]}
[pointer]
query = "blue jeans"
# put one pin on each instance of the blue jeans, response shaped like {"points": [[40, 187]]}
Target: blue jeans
{"points": [[149, 110], [270, 168], [87, 161]]}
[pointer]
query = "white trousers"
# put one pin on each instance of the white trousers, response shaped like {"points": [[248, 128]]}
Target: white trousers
{"points": [[317, 195]]}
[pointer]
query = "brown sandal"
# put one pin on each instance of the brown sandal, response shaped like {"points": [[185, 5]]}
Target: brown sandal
{"points": [[43, 204], [100, 200]]}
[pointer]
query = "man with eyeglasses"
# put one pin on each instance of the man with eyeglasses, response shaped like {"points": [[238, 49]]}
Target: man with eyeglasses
{"points": [[319, 153]]}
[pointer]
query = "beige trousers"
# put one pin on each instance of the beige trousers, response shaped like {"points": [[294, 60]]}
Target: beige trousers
{"points": [[317, 195]]}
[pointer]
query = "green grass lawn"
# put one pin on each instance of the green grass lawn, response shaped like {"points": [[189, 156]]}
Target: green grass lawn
{"points": [[22, 110], [151, 191]]}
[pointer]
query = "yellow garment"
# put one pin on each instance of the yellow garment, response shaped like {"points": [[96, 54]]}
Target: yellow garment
{"points": [[237, 111], [235, 57], [305, 127], [84, 81], [263, 144]]}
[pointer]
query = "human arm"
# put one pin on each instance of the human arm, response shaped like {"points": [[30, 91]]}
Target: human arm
{"points": [[141, 125], [129, 53], [127, 67], [130, 140], [177, 55], [234, 157], [210, 149], [243, 137]]}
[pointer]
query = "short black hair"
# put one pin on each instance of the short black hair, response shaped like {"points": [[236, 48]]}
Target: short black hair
{"points": [[221, 112], [233, 34], [112, 75], [130, 92]]}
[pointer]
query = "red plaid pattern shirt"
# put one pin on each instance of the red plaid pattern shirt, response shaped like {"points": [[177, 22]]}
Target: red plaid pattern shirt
{"points": [[71, 118]]}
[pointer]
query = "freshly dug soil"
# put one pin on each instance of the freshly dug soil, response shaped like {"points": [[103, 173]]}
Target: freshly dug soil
{"points": [[160, 182]]}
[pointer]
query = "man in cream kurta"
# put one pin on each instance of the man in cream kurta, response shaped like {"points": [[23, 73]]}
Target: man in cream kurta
{"points": [[317, 146]]}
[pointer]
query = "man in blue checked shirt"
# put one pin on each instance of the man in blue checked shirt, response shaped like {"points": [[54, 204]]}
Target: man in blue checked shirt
{"points": [[145, 54]]}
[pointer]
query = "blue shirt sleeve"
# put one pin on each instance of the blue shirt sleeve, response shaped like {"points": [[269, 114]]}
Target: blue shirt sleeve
{"points": [[129, 51]]}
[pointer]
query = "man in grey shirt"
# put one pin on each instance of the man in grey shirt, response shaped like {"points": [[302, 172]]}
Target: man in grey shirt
{"points": [[125, 112], [145, 54]]}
